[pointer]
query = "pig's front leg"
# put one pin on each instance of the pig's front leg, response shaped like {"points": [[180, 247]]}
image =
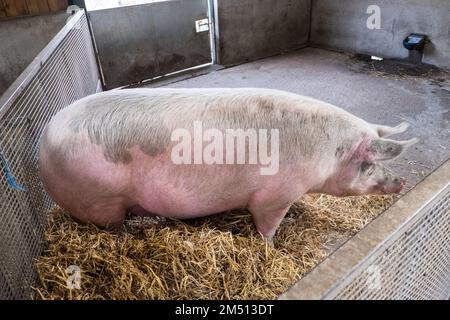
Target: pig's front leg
{"points": [[267, 216]]}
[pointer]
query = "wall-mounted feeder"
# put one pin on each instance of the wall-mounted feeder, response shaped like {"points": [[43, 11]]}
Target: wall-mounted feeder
{"points": [[415, 44]]}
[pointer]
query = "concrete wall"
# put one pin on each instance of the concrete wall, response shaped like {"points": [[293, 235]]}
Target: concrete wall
{"points": [[342, 25], [21, 39], [254, 29]]}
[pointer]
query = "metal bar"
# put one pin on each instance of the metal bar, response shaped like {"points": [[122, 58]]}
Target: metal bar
{"points": [[27, 75]]}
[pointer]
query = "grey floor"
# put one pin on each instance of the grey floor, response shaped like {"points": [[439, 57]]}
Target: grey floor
{"points": [[387, 97]]}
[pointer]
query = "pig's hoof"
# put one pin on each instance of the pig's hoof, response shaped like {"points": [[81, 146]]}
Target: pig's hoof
{"points": [[268, 240]]}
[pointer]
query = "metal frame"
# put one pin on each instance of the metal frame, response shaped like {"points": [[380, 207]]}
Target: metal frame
{"points": [[16, 88], [64, 71], [340, 286], [215, 32]]}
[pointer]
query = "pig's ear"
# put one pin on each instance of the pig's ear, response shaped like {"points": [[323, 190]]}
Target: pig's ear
{"points": [[386, 131], [386, 149]]}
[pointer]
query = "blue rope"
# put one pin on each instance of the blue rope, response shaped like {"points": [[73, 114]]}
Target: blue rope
{"points": [[9, 177]]}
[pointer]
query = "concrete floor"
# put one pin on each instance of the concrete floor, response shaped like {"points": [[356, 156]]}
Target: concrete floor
{"points": [[356, 86]]}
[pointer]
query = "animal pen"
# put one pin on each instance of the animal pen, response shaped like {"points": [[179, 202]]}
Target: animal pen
{"points": [[63, 72], [402, 254]]}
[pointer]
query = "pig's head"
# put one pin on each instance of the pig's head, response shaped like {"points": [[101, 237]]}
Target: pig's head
{"points": [[361, 170]]}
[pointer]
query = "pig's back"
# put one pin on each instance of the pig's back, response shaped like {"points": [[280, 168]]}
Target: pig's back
{"points": [[116, 121], [183, 105]]}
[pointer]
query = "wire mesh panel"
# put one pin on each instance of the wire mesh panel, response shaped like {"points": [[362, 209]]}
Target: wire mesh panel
{"points": [[413, 264], [63, 72]]}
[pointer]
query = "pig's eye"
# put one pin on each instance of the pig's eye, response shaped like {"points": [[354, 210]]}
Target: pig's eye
{"points": [[367, 168]]}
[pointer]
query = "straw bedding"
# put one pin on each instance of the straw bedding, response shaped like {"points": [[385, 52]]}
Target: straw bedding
{"points": [[217, 257]]}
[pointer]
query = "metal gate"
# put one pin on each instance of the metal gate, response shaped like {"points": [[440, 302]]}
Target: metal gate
{"points": [[141, 42], [63, 72], [415, 264]]}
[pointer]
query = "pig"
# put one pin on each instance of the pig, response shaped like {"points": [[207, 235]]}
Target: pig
{"points": [[111, 154]]}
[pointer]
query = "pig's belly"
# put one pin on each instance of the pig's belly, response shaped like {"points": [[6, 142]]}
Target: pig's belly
{"points": [[205, 195], [179, 204]]}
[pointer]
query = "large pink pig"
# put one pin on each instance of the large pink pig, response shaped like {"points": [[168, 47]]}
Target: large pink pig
{"points": [[130, 151]]}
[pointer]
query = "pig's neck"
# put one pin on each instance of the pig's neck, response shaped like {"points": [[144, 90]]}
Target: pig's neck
{"points": [[333, 171], [321, 177]]}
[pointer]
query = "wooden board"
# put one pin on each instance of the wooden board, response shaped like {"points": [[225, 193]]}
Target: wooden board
{"points": [[2, 10], [37, 7], [57, 5], [17, 8]]}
